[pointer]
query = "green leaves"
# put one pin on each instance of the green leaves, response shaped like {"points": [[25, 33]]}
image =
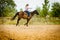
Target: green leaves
{"points": [[44, 11], [54, 12], [45, 8], [6, 7], [56, 9]]}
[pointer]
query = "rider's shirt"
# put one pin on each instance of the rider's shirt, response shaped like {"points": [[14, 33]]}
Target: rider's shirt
{"points": [[27, 8]]}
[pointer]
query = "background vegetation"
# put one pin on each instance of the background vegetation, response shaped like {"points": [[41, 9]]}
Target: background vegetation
{"points": [[46, 14]]}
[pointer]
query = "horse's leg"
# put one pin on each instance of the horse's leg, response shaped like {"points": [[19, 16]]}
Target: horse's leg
{"points": [[18, 21], [27, 22]]}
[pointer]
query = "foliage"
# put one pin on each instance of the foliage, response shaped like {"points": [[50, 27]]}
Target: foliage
{"points": [[44, 11], [33, 21], [55, 9], [45, 8], [21, 9], [6, 7]]}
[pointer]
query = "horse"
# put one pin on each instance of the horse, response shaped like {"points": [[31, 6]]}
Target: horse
{"points": [[24, 15]]}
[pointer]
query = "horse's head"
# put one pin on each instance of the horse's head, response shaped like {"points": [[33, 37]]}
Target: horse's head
{"points": [[35, 12]]}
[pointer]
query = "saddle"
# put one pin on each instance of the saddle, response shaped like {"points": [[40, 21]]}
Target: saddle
{"points": [[26, 14]]}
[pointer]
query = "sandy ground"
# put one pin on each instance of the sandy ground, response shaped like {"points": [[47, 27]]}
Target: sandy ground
{"points": [[32, 32]]}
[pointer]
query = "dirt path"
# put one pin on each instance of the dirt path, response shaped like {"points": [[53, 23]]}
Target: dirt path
{"points": [[32, 32]]}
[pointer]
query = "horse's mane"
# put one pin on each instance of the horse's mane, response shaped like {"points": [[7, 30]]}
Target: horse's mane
{"points": [[33, 11]]}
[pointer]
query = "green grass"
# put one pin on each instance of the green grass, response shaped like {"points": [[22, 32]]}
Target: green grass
{"points": [[33, 21]]}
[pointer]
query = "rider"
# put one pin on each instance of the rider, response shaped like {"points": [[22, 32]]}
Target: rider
{"points": [[27, 10]]}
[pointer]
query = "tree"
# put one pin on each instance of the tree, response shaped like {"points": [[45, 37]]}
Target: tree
{"points": [[6, 7], [21, 9], [45, 9], [55, 9]]}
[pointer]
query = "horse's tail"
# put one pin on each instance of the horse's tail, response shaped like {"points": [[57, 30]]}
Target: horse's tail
{"points": [[15, 16]]}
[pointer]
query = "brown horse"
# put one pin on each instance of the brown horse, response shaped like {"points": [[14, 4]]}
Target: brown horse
{"points": [[24, 15]]}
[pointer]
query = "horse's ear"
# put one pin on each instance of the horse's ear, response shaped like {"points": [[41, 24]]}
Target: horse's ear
{"points": [[36, 10]]}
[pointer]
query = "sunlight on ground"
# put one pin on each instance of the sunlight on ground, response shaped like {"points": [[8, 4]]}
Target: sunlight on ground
{"points": [[32, 32]]}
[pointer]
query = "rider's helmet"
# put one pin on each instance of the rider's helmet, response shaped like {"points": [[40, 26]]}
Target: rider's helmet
{"points": [[27, 4]]}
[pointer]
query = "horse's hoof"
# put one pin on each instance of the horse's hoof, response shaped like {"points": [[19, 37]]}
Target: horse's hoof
{"points": [[26, 25], [16, 25]]}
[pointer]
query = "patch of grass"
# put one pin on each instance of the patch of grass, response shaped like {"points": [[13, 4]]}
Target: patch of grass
{"points": [[33, 21]]}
